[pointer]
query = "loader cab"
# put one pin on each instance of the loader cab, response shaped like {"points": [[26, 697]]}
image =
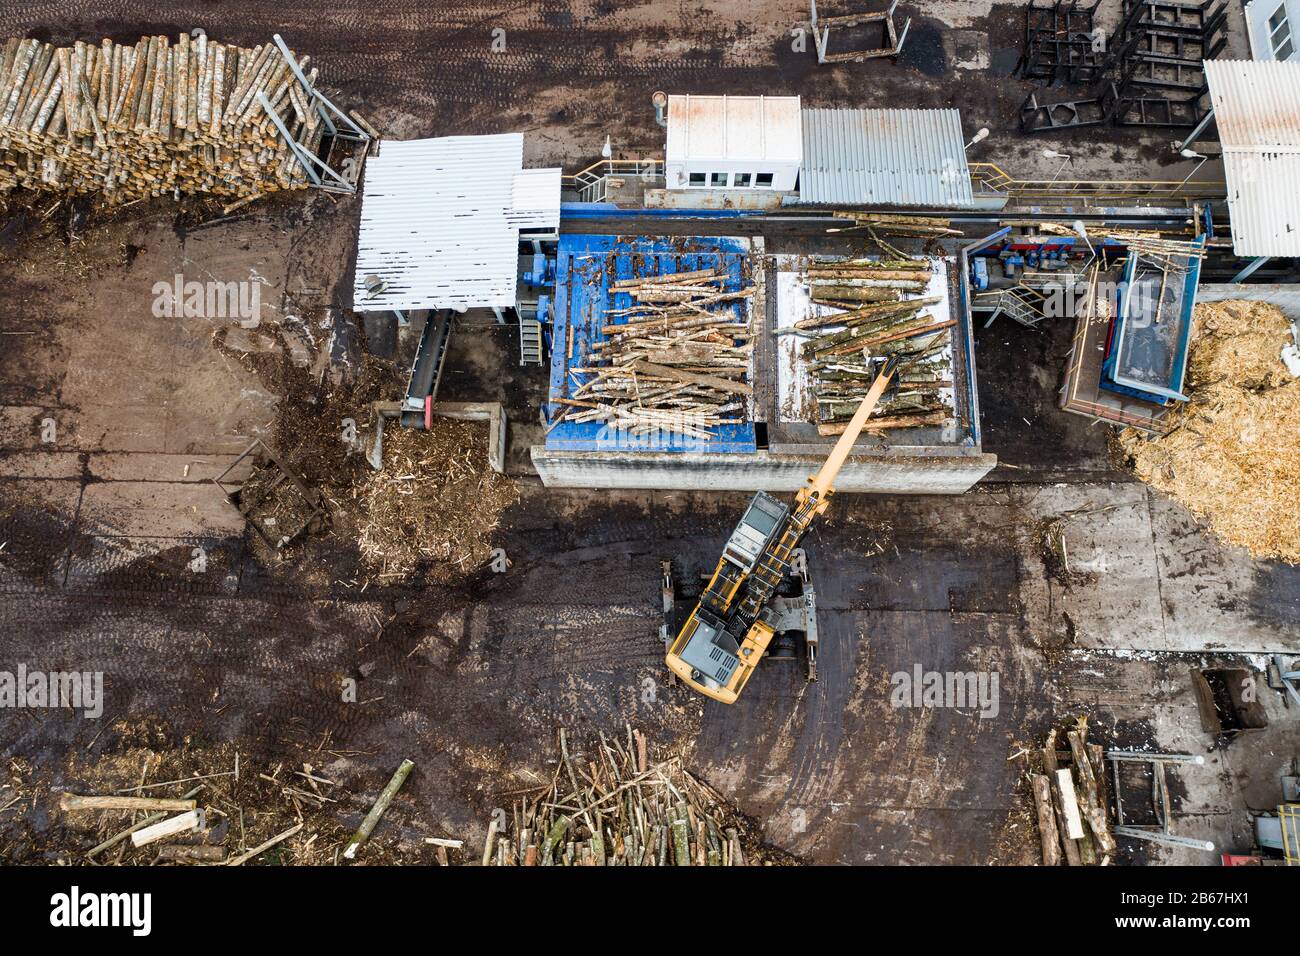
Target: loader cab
{"points": [[759, 525]]}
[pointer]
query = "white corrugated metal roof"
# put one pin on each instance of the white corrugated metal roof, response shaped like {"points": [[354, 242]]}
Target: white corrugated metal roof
{"points": [[535, 199], [736, 128], [440, 221], [1257, 111], [884, 158]]}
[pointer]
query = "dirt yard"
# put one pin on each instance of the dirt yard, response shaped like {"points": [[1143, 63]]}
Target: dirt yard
{"points": [[113, 420]]}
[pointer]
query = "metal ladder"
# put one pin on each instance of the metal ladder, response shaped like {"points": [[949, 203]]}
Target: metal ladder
{"points": [[530, 342]]}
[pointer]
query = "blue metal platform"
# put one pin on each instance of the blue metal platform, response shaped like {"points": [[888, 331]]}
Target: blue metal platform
{"points": [[586, 267]]}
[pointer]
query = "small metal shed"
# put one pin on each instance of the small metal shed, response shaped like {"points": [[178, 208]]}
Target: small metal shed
{"points": [[733, 142], [860, 157]]}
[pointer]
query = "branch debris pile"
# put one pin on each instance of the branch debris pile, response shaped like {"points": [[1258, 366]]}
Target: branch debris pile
{"points": [[617, 807], [435, 503]]}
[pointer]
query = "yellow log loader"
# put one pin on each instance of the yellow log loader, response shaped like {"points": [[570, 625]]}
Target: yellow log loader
{"points": [[739, 612]]}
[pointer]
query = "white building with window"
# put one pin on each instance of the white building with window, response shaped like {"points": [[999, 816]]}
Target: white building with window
{"points": [[733, 142], [1271, 25]]}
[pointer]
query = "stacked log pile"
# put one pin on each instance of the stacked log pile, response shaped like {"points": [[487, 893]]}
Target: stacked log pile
{"points": [[152, 119], [616, 807], [874, 322], [1072, 800], [677, 362]]}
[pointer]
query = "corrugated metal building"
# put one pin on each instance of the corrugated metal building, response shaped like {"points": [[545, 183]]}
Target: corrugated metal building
{"points": [[733, 142], [441, 222], [858, 157], [1257, 110]]}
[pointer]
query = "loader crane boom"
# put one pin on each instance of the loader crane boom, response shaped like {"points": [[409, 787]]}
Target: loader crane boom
{"points": [[728, 632]]}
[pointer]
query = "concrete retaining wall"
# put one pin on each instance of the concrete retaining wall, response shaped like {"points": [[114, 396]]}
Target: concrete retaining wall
{"points": [[1285, 296], [948, 475]]}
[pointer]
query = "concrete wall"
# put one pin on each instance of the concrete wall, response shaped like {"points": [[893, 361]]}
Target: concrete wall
{"points": [[761, 471], [1286, 296]]}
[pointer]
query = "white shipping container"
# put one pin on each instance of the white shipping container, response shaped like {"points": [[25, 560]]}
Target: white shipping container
{"points": [[733, 142]]}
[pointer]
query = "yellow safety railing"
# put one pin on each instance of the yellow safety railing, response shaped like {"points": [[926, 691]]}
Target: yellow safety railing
{"points": [[1289, 815], [990, 178]]}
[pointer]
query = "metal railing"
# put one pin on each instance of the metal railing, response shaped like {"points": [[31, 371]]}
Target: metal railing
{"points": [[990, 178], [592, 183]]}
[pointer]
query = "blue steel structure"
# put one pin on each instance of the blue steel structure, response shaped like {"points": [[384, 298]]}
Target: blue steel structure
{"points": [[1146, 354], [586, 267]]}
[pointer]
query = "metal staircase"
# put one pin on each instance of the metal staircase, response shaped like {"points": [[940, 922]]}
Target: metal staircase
{"points": [[530, 342]]}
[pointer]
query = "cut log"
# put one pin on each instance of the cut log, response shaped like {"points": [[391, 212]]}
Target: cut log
{"points": [[183, 823], [73, 801], [377, 811], [192, 854], [1070, 804], [1048, 834]]}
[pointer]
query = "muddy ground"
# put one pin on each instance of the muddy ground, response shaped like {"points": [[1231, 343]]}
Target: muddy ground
{"points": [[570, 72], [100, 517]]}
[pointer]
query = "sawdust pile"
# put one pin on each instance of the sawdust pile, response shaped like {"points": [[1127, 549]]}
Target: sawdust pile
{"points": [[1232, 455], [434, 505]]}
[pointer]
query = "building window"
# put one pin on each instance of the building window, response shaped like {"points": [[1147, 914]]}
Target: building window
{"points": [[718, 179], [743, 180], [1279, 34], [697, 179], [763, 180]]}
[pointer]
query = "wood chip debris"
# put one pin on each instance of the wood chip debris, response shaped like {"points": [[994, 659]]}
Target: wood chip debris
{"points": [[1231, 454], [435, 503]]}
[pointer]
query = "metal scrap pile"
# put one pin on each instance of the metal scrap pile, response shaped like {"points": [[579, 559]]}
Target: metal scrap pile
{"points": [[151, 119], [1147, 72], [677, 362], [616, 807], [875, 321]]}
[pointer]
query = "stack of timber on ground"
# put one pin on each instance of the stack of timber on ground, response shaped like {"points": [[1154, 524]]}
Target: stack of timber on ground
{"points": [[678, 360], [1072, 800], [614, 806], [1231, 455], [152, 119], [875, 321]]}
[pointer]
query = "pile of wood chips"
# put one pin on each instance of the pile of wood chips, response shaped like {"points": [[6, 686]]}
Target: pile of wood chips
{"points": [[677, 360], [615, 806], [1232, 454], [434, 504], [151, 119]]}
